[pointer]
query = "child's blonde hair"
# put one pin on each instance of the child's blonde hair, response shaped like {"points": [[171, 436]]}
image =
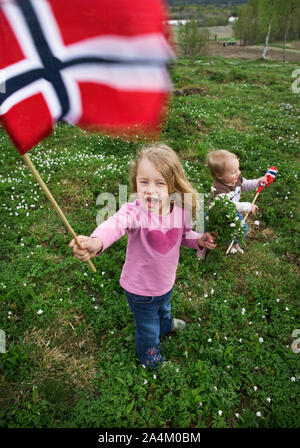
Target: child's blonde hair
{"points": [[217, 161], [166, 161]]}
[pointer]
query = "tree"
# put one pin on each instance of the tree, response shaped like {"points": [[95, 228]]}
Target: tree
{"points": [[192, 39], [269, 30]]}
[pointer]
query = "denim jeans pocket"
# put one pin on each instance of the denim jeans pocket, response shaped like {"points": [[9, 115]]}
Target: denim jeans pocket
{"points": [[135, 298]]}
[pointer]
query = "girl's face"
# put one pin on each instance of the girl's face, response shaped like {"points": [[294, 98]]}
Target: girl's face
{"points": [[152, 188], [231, 173]]}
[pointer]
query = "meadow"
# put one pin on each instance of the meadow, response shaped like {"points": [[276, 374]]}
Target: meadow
{"points": [[70, 356]]}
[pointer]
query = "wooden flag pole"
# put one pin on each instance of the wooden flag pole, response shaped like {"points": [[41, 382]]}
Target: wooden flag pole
{"points": [[229, 248], [53, 202]]}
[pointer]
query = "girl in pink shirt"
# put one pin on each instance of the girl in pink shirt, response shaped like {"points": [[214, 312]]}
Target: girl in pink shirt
{"points": [[157, 222]]}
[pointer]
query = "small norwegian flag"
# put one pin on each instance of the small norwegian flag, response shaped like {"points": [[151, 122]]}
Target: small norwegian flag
{"points": [[271, 174], [92, 63]]}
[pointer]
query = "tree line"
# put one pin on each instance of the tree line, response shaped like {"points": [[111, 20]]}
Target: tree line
{"points": [[263, 20]]}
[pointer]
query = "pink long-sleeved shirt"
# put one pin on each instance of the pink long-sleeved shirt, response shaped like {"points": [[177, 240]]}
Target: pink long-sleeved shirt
{"points": [[153, 246]]}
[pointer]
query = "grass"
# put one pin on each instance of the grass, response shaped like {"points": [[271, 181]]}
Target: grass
{"points": [[74, 363]]}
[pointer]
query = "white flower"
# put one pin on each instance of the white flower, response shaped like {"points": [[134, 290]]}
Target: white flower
{"points": [[250, 323], [208, 340], [256, 272], [212, 290], [255, 388], [240, 340], [278, 300], [243, 311], [220, 412], [145, 381], [154, 376], [293, 379], [215, 387], [256, 223], [40, 311], [269, 400], [258, 414], [237, 415], [287, 309], [261, 340], [232, 224], [236, 218], [213, 189], [200, 404]]}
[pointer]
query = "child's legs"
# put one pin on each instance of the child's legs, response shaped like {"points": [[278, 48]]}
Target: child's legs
{"points": [[147, 323], [164, 312], [245, 227]]}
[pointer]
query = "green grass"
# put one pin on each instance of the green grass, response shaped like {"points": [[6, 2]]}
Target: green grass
{"points": [[74, 365]]}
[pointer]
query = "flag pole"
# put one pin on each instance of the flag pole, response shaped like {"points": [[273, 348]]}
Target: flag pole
{"points": [[53, 202], [229, 248]]}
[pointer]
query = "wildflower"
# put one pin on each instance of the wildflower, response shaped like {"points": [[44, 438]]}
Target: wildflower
{"points": [[269, 400], [40, 311], [255, 388], [145, 381], [261, 340], [258, 414], [232, 224], [287, 309], [154, 376], [293, 379], [212, 290], [177, 370], [236, 218], [250, 323], [237, 415], [243, 311], [208, 340], [256, 223], [278, 300], [256, 272], [220, 412]]}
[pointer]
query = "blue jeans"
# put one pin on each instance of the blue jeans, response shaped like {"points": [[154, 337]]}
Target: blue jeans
{"points": [[245, 226], [153, 318]]}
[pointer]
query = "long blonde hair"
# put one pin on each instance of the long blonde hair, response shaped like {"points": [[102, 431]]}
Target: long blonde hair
{"points": [[167, 162]]}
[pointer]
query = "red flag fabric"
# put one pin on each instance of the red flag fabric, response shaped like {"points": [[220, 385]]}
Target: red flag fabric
{"points": [[90, 63], [271, 174]]}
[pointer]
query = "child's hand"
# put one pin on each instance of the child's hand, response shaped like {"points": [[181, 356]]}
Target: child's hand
{"points": [[89, 247], [254, 208], [207, 240], [262, 180]]}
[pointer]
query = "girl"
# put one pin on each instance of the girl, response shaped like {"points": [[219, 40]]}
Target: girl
{"points": [[157, 224]]}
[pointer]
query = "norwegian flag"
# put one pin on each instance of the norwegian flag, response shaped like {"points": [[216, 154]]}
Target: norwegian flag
{"points": [[271, 174], [92, 63]]}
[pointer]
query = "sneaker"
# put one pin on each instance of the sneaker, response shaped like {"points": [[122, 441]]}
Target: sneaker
{"points": [[201, 253], [236, 248], [178, 324]]}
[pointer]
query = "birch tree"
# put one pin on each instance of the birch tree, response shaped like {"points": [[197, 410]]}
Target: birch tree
{"points": [[269, 30]]}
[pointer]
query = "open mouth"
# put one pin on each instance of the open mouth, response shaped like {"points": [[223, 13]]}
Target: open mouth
{"points": [[151, 201]]}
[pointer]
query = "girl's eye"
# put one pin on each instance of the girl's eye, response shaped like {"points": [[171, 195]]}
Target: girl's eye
{"points": [[161, 183]]}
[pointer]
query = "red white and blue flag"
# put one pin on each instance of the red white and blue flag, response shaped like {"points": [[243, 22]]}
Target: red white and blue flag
{"points": [[92, 63], [270, 174]]}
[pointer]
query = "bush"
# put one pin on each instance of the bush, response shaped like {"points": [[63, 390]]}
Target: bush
{"points": [[192, 39]]}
